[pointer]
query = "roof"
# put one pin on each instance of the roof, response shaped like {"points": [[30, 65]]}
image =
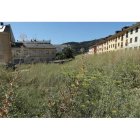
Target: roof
{"points": [[38, 45], [124, 29], [8, 29], [119, 33], [2, 28]]}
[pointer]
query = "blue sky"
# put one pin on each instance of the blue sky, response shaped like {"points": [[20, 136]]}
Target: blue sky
{"points": [[61, 32]]}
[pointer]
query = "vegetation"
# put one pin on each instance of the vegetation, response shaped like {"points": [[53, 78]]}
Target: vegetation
{"points": [[65, 54], [85, 45], [105, 85]]}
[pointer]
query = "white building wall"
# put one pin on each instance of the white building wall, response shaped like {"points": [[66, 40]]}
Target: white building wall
{"points": [[116, 43], [91, 51], [133, 35]]}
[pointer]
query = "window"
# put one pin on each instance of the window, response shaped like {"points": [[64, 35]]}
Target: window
{"points": [[126, 34], [131, 32], [130, 40], [115, 46], [118, 37], [122, 38], [118, 44], [121, 44], [126, 43], [136, 39], [137, 29]]}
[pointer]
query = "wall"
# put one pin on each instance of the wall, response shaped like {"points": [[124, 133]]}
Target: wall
{"points": [[5, 48], [33, 55], [133, 35], [115, 42]]}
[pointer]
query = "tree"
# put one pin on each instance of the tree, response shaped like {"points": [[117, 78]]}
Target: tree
{"points": [[60, 56], [68, 52], [82, 50]]}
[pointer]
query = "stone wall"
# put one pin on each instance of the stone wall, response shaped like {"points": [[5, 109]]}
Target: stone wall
{"points": [[5, 48]]}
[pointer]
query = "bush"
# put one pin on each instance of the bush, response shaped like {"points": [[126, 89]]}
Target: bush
{"points": [[65, 54]]}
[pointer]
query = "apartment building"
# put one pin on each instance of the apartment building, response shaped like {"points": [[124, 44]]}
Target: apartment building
{"points": [[92, 50], [126, 38]]}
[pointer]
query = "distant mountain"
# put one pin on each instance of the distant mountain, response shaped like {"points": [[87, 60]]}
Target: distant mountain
{"points": [[77, 46]]}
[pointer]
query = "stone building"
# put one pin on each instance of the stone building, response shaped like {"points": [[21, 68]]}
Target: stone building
{"points": [[23, 52], [33, 52], [6, 40]]}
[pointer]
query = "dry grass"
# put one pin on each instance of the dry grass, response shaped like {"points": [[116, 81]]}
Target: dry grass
{"points": [[106, 85]]}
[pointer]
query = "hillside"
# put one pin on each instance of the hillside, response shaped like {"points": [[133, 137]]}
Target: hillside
{"points": [[76, 46], [106, 85]]}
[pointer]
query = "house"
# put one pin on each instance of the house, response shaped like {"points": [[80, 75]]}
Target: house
{"points": [[6, 40]]}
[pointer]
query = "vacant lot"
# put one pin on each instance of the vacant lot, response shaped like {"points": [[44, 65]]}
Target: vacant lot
{"points": [[106, 85]]}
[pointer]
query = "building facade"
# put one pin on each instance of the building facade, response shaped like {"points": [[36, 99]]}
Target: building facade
{"points": [[127, 38], [23, 52], [93, 50], [33, 52], [6, 40]]}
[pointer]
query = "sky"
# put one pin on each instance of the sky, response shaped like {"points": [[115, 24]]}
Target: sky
{"points": [[61, 32]]}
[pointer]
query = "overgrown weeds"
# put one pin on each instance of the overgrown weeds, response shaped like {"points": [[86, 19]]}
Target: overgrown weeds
{"points": [[106, 85]]}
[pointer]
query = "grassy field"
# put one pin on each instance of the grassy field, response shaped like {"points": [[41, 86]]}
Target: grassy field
{"points": [[105, 85]]}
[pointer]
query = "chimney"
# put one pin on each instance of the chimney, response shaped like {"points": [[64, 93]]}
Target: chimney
{"points": [[125, 28], [117, 32], [1, 23]]}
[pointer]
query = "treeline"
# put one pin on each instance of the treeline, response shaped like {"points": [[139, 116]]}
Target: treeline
{"points": [[75, 48], [80, 47]]}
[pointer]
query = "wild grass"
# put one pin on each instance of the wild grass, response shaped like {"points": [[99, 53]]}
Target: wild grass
{"points": [[104, 85]]}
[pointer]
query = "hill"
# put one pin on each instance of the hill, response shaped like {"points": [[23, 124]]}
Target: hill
{"points": [[77, 46]]}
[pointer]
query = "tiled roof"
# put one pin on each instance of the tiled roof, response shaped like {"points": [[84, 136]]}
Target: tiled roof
{"points": [[38, 45], [117, 33], [7, 28]]}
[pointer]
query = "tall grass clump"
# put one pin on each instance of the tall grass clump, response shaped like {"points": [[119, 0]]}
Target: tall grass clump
{"points": [[104, 85], [7, 89]]}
